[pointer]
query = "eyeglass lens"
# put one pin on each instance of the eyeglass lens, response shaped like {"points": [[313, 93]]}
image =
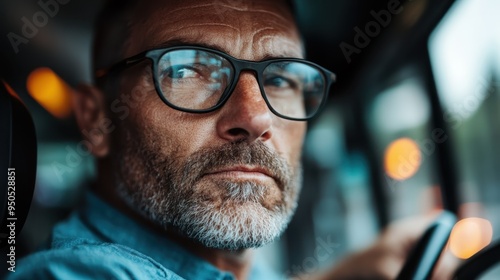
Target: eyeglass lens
{"points": [[197, 80]]}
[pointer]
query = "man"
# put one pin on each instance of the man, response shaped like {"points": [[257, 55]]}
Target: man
{"points": [[203, 162]]}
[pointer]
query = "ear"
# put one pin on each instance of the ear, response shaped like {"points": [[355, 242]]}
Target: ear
{"points": [[89, 106]]}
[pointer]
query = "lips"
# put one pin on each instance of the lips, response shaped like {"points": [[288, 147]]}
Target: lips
{"points": [[243, 169]]}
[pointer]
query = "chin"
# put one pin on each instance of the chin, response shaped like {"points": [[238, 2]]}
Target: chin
{"points": [[232, 215], [234, 226], [238, 193]]}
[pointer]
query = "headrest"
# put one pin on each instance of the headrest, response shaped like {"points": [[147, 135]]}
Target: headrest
{"points": [[18, 157]]}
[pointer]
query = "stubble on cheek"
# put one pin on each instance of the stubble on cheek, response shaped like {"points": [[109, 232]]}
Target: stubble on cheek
{"points": [[171, 190], [147, 172]]}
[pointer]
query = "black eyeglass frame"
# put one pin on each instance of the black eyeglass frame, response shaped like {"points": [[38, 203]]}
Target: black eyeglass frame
{"points": [[239, 65]]}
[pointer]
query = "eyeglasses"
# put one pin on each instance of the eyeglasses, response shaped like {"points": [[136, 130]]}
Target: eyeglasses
{"points": [[200, 80]]}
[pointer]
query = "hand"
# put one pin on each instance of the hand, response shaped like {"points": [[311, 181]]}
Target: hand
{"points": [[385, 258]]}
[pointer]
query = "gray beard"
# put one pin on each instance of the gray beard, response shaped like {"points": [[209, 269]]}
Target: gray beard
{"points": [[237, 215]]}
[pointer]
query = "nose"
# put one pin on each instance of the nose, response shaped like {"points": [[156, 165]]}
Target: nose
{"points": [[245, 116]]}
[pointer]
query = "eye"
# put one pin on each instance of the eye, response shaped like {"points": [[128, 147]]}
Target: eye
{"points": [[181, 72], [279, 82]]}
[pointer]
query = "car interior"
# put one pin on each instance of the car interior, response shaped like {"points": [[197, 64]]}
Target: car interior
{"points": [[409, 128]]}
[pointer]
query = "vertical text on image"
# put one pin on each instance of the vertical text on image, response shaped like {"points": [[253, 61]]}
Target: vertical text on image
{"points": [[11, 218]]}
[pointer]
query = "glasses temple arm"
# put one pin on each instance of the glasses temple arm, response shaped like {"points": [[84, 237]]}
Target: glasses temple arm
{"points": [[120, 66]]}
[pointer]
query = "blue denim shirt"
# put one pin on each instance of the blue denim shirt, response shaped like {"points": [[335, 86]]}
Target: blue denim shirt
{"points": [[99, 242]]}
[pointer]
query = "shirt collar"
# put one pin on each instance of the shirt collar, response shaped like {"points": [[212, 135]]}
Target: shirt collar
{"points": [[115, 227]]}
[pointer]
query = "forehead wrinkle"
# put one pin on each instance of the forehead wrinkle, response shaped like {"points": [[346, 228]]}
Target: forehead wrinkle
{"points": [[191, 34], [194, 34], [208, 24], [254, 19], [277, 20], [269, 29], [190, 10], [278, 26], [187, 9], [263, 29], [201, 8], [270, 39], [217, 6], [190, 7], [204, 24], [267, 12]]}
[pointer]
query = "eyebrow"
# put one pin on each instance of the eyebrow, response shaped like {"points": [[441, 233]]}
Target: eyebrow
{"points": [[182, 42]]}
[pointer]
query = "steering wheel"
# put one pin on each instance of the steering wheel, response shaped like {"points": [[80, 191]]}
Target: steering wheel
{"points": [[426, 252], [479, 263]]}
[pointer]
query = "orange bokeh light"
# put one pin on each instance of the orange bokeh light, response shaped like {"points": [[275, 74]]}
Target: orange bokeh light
{"points": [[469, 236], [50, 91], [402, 159]]}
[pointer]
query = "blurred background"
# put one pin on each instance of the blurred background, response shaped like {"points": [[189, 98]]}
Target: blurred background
{"points": [[409, 128]]}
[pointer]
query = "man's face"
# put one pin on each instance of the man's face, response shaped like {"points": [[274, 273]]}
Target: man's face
{"points": [[230, 178]]}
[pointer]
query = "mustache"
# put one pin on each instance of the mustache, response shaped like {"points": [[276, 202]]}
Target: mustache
{"points": [[237, 153]]}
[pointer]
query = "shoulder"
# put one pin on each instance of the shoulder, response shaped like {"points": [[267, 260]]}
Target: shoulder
{"points": [[85, 259]]}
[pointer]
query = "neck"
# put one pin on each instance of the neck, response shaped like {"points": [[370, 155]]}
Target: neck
{"points": [[237, 262]]}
